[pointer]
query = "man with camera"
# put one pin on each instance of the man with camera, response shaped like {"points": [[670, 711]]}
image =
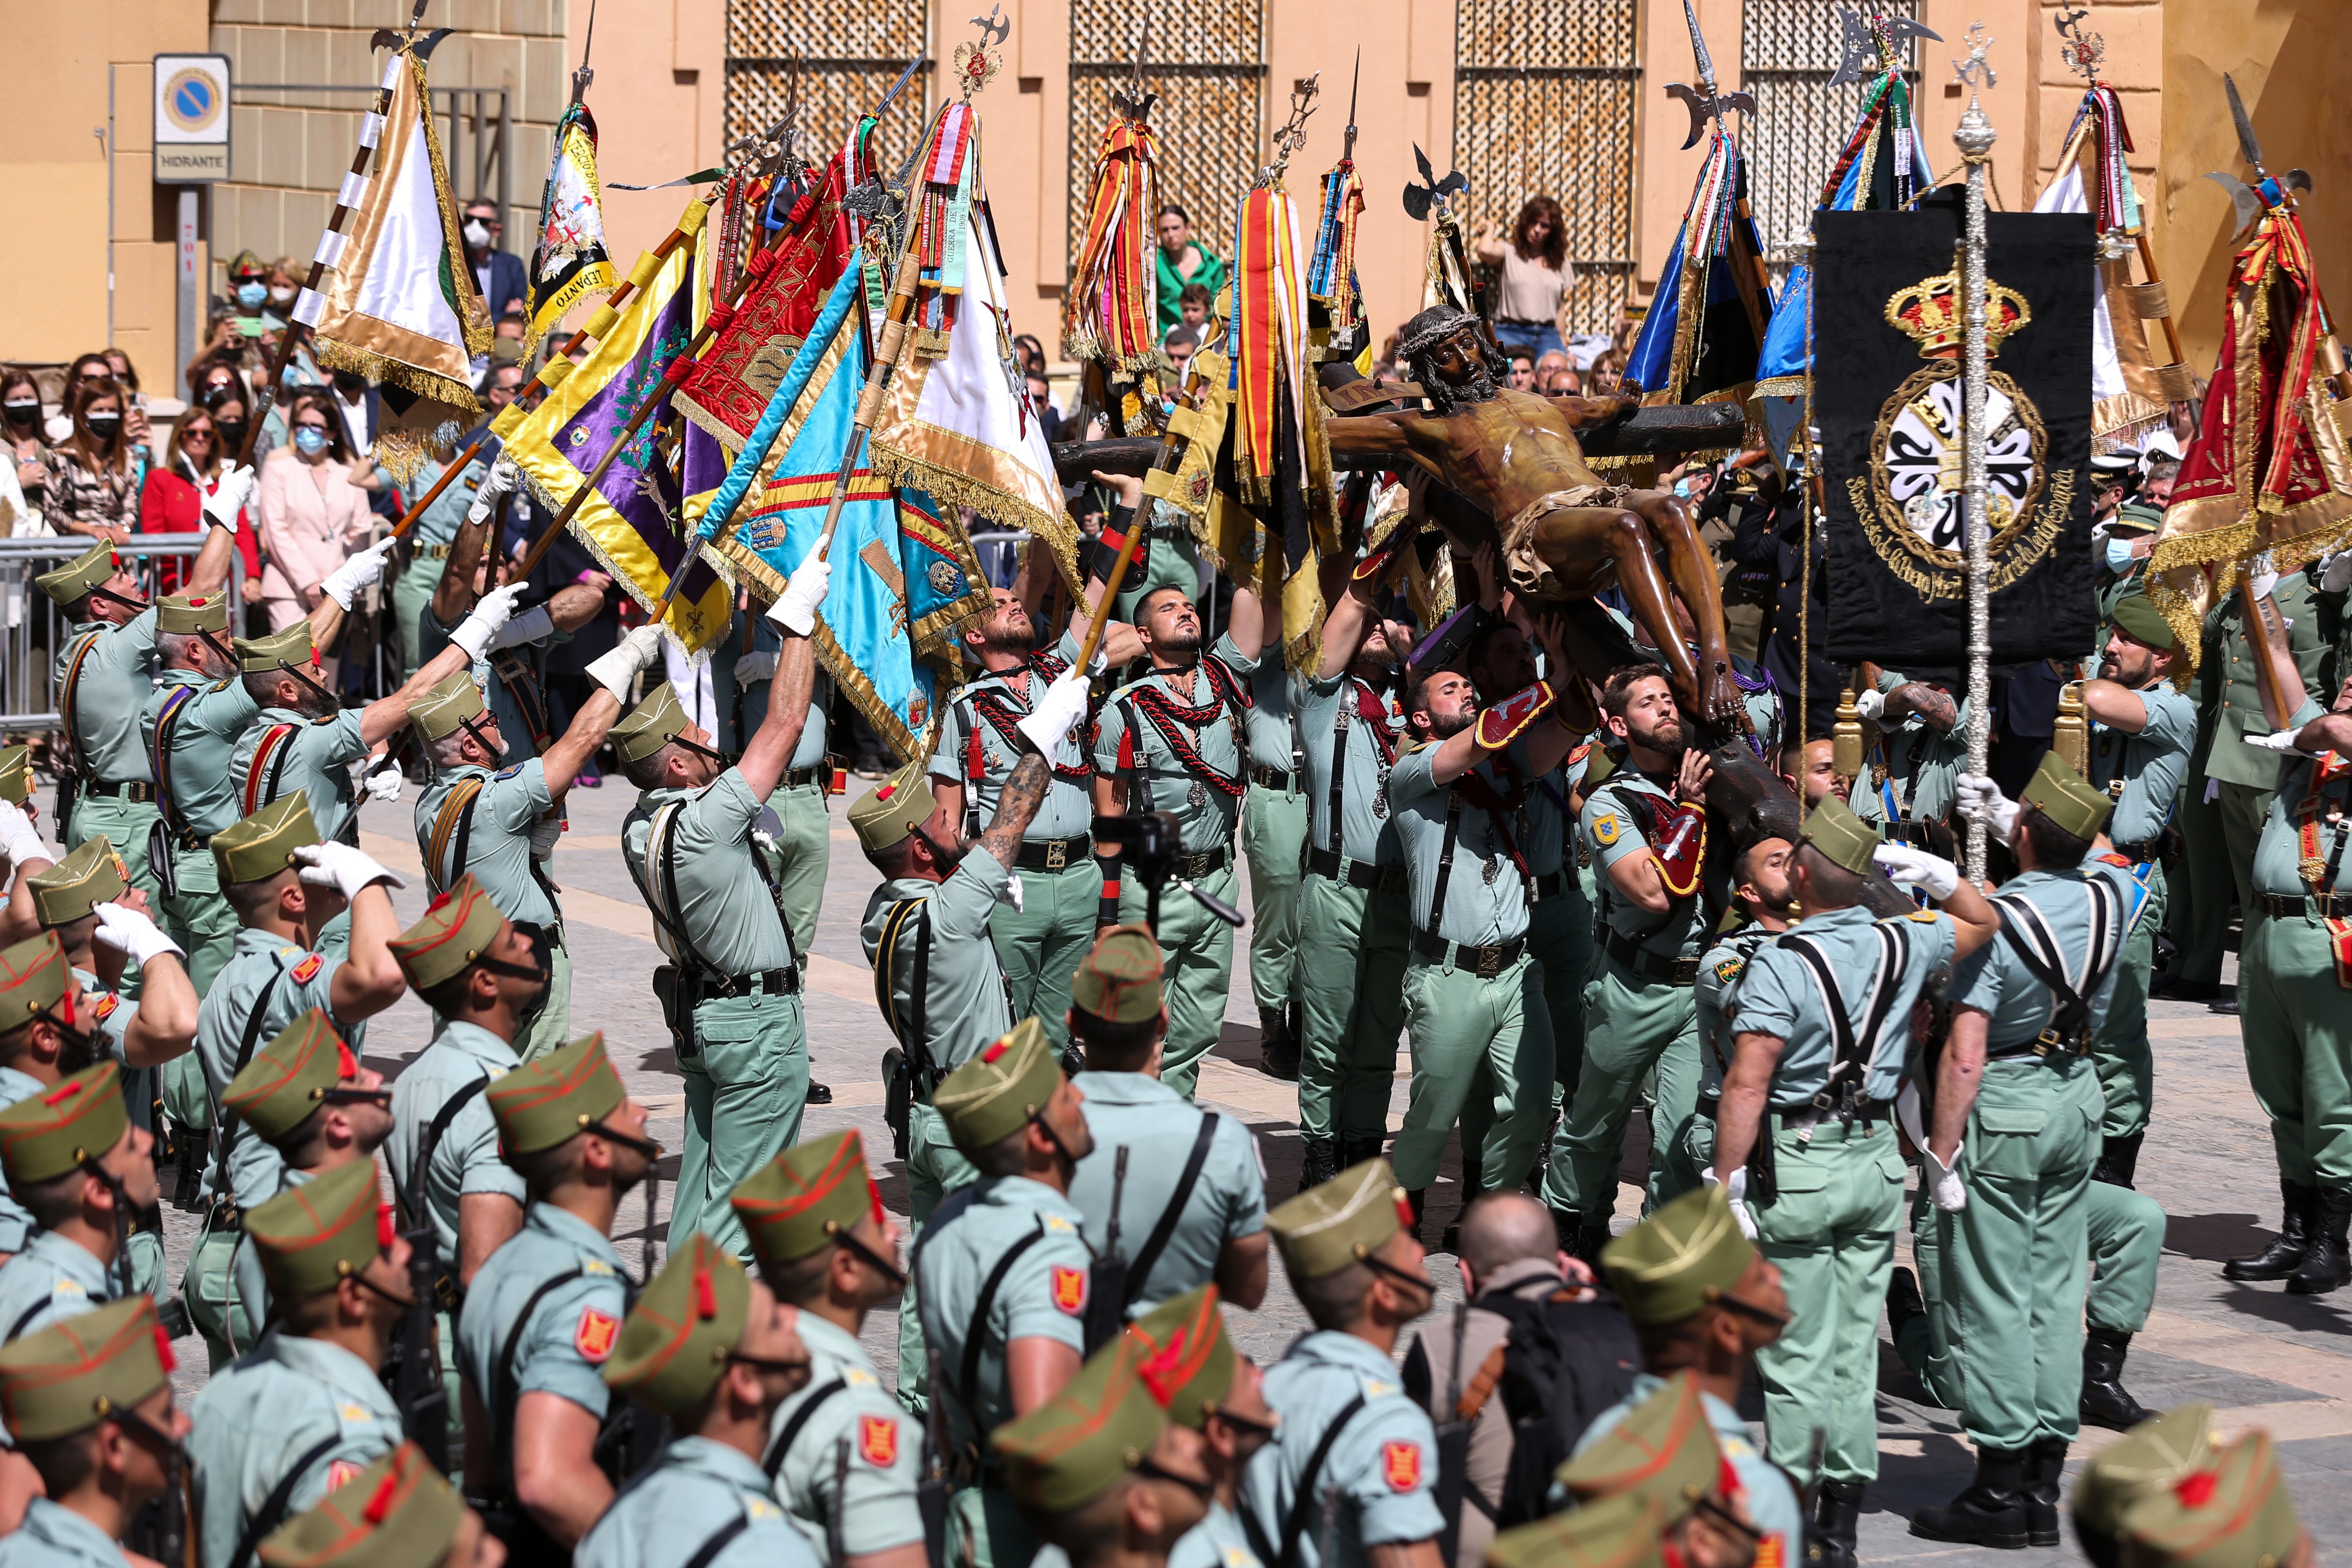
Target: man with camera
{"points": [[937, 975]]}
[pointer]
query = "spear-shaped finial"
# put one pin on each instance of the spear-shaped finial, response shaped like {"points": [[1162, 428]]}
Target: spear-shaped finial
{"points": [[1347, 149], [1135, 100], [1974, 134]]}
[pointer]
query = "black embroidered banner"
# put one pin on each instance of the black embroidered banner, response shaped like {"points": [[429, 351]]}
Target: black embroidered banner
{"points": [[1889, 333]]}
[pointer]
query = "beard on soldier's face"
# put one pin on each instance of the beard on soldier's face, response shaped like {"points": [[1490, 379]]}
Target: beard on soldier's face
{"points": [[1182, 639], [1662, 735], [1446, 726]]}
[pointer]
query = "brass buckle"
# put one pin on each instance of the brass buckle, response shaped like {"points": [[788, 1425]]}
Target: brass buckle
{"points": [[1490, 960], [1056, 854]]}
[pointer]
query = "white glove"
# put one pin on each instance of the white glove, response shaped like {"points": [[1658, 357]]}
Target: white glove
{"points": [[2282, 740], [229, 496], [341, 867], [2264, 578], [1736, 1190], [1012, 894], [1870, 704], [1917, 869], [1978, 796], [19, 840], [500, 480], [2337, 576], [361, 570], [795, 609], [1064, 704], [616, 669], [534, 625], [496, 608], [131, 934], [384, 786], [756, 666], [1943, 1182], [543, 836]]}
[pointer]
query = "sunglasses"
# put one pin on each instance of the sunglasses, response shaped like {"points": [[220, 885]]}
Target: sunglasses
{"points": [[205, 435], [309, 425]]}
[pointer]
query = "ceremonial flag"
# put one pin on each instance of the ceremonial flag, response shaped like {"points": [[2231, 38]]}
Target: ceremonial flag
{"points": [[2270, 469], [2129, 392], [1888, 400], [1110, 311], [399, 307], [569, 261], [626, 522], [1333, 299], [1706, 325], [903, 572], [957, 421], [1879, 169]]}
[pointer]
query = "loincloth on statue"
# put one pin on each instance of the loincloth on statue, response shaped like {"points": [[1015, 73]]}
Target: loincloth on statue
{"points": [[1528, 573]]}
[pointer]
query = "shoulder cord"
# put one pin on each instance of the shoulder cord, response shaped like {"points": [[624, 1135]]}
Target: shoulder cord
{"points": [[267, 767], [910, 1032], [175, 702], [455, 819], [66, 698]]}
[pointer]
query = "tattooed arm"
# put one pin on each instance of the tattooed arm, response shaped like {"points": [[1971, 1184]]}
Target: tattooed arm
{"points": [[1016, 807], [1937, 709]]}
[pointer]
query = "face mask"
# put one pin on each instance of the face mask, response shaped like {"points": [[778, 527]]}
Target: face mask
{"points": [[251, 295], [24, 413], [2119, 555], [103, 426], [477, 233], [232, 434], [1683, 489], [350, 383], [309, 442], [281, 296]]}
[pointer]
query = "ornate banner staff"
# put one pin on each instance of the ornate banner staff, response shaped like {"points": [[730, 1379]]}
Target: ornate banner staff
{"points": [[1974, 136]]}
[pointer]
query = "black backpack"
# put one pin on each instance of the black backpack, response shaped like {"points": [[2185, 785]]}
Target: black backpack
{"points": [[1566, 1362]]}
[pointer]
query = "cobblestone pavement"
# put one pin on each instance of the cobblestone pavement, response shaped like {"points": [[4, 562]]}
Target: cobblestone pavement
{"points": [[2257, 1355]]}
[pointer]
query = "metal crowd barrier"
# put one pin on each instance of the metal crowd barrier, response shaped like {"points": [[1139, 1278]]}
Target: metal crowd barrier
{"points": [[36, 629]]}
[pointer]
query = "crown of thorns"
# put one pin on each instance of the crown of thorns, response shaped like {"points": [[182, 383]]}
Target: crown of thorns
{"points": [[1445, 325]]}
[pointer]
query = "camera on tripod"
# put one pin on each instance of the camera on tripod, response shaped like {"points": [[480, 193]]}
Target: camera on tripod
{"points": [[1152, 848]]}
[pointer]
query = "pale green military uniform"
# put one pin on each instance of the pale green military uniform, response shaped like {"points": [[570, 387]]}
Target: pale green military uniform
{"points": [[2027, 1151], [1061, 885], [1157, 1162], [16, 1226], [42, 1137], [513, 682], [2142, 773], [103, 675], [197, 794], [1473, 1008], [585, 1310], [295, 1408], [1830, 1227], [942, 933], [843, 1456], [1197, 1369], [1719, 969], [52, 1279], [1273, 838], [703, 1501], [1913, 771], [745, 1052], [245, 1266], [801, 802], [2228, 794], [64, 1382], [283, 751], [1196, 948], [2296, 1021], [425, 553], [473, 820], [1383, 1465], [1638, 1015], [1027, 1237], [1354, 927]]}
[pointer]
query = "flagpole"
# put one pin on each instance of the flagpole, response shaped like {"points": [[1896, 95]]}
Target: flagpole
{"points": [[1974, 136]]}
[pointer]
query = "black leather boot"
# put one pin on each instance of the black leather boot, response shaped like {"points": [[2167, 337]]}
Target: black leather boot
{"points": [[2327, 1260], [1904, 1301], [2106, 1401], [2119, 1160], [1278, 1050], [2045, 1473], [1837, 1514], [1319, 1164], [1989, 1512], [1415, 1197], [2285, 1254], [1355, 1150]]}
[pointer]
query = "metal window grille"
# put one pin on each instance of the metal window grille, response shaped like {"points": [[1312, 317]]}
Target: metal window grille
{"points": [[476, 134], [1788, 51], [1543, 105], [1206, 60], [849, 55]]}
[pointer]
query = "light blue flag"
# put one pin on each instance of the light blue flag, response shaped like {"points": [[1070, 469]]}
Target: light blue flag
{"points": [[903, 575]]}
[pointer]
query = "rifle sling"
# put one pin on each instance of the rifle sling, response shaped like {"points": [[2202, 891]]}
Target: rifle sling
{"points": [[1295, 1521], [1157, 1242], [784, 1439], [272, 1512], [967, 1375]]}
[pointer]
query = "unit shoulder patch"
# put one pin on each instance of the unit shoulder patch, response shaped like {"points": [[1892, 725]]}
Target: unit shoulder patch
{"points": [[1925, 916], [307, 970], [1056, 1226], [877, 1441], [507, 773], [1400, 1466], [594, 1335], [1607, 829], [1069, 1287], [1728, 971]]}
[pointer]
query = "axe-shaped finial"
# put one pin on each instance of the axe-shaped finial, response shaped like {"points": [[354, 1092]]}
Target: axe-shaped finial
{"points": [[1431, 192], [1704, 102], [2249, 201]]}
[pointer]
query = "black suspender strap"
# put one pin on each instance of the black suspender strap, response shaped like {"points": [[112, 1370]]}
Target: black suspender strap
{"points": [[503, 1387], [243, 1056], [430, 1144], [1294, 1523], [1850, 1066], [1157, 1242], [2028, 936], [1341, 723], [1141, 773], [967, 1375], [784, 1440], [720, 1538], [1445, 861], [272, 1512], [16, 1329]]}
